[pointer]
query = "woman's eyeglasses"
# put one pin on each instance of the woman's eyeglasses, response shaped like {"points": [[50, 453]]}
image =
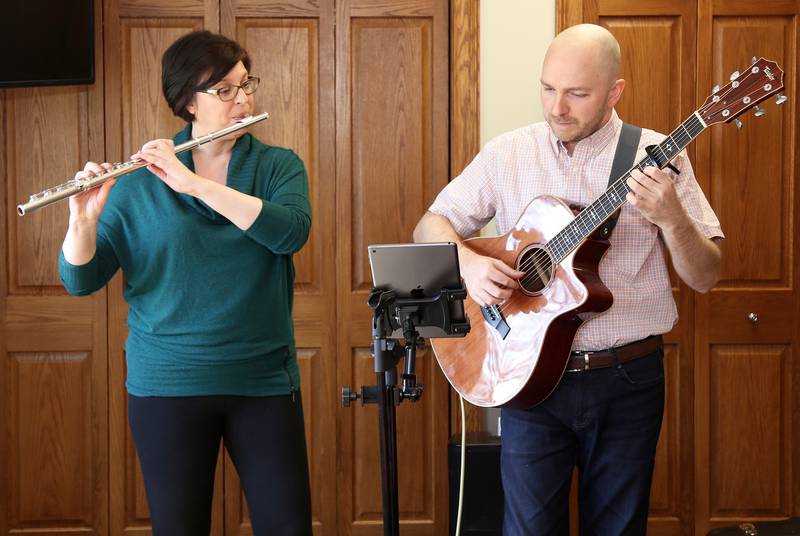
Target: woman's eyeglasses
{"points": [[228, 92]]}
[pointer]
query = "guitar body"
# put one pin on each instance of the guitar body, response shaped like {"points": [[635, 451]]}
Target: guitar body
{"points": [[523, 368]]}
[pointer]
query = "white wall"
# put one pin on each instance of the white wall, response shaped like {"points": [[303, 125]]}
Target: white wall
{"points": [[514, 35]]}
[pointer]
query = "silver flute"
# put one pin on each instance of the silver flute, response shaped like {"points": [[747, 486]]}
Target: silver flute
{"points": [[78, 185]]}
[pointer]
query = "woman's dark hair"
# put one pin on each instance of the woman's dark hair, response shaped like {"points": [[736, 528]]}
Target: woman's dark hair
{"points": [[196, 61]]}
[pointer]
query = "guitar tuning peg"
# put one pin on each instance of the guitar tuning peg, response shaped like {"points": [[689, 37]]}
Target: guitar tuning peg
{"points": [[738, 123], [754, 60], [760, 111], [715, 89], [734, 75], [780, 99]]}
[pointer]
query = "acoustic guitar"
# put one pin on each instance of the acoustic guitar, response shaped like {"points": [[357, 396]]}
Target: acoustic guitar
{"points": [[516, 352]]}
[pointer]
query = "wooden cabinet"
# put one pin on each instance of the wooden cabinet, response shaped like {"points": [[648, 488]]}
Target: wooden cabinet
{"points": [[362, 91], [729, 444]]}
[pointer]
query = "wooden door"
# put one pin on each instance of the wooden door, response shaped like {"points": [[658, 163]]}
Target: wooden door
{"points": [[392, 159], [53, 391], [291, 44], [656, 98], [367, 108], [137, 33], [728, 444], [747, 388]]}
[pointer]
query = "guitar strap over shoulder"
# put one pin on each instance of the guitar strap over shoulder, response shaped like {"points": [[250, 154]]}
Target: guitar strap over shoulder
{"points": [[623, 161]]}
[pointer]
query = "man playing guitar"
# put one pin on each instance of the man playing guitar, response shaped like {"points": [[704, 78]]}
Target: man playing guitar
{"points": [[605, 414]]}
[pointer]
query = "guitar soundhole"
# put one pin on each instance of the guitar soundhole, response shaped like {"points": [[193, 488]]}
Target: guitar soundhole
{"points": [[538, 268]]}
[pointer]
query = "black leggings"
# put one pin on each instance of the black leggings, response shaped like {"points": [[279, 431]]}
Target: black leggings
{"points": [[177, 439]]}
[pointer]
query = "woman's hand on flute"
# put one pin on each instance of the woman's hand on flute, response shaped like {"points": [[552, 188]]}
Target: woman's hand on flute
{"points": [[86, 206], [84, 211], [162, 162]]}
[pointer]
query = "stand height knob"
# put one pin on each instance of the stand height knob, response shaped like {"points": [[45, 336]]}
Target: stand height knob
{"points": [[349, 396]]}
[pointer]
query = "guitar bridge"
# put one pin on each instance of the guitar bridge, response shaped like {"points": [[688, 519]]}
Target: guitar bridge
{"points": [[494, 318]]}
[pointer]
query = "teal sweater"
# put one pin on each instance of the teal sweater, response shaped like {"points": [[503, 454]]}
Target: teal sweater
{"points": [[209, 304]]}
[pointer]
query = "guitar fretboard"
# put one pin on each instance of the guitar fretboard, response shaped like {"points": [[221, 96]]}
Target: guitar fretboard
{"points": [[603, 207]]}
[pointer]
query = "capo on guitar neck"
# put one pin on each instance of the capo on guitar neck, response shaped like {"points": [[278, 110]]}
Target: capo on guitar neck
{"points": [[651, 152]]}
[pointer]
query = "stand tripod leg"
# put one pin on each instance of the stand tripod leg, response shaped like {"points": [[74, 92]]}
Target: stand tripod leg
{"points": [[388, 428]]}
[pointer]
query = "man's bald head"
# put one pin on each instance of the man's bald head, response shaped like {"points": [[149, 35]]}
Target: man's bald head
{"points": [[590, 45], [580, 82]]}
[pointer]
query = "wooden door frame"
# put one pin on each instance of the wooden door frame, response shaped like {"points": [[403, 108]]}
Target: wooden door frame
{"points": [[464, 128], [464, 83]]}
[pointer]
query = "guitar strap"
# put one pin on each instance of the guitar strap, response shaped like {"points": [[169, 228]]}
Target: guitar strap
{"points": [[623, 161]]}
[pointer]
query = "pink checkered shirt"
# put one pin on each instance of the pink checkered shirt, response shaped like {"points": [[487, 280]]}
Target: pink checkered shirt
{"points": [[517, 166]]}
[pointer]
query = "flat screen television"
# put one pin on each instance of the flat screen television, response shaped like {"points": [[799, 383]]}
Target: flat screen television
{"points": [[46, 42]]}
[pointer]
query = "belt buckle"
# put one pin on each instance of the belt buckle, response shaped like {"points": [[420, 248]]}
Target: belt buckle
{"points": [[585, 363]]}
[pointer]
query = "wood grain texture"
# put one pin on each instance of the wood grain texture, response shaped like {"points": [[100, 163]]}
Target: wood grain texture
{"points": [[750, 416], [53, 348], [759, 164], [48, 134], [464, 130], [122, 110], [286, 52], [292, 48], [392, 140], [749, 168]]}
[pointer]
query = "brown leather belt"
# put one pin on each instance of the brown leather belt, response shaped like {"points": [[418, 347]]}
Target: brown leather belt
{"points": [[579, 361]]}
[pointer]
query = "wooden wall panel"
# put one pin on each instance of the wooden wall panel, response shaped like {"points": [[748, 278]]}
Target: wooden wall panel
{"points": [[6, 470], [58, 323], [60, 151], [292, 49], [286, 52], [637, 103], [749, 435], [317, 406], [746, 438], [45, 130], [392, 111], [52, 420], [145, 114], [464, 135], [53, 391], [749, 167], [392, 145]]}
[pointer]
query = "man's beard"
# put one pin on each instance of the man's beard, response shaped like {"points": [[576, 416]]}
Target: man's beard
{"points": [[584, 130]]}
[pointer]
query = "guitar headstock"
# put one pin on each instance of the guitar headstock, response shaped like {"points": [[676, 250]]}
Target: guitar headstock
{"points": [[759, 81]]}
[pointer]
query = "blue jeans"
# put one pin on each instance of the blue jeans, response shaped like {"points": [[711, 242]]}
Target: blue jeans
{"points": [[604, 421]]}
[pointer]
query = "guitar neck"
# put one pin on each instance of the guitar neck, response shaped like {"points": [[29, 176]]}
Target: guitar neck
{"points": [[593, 216]]}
